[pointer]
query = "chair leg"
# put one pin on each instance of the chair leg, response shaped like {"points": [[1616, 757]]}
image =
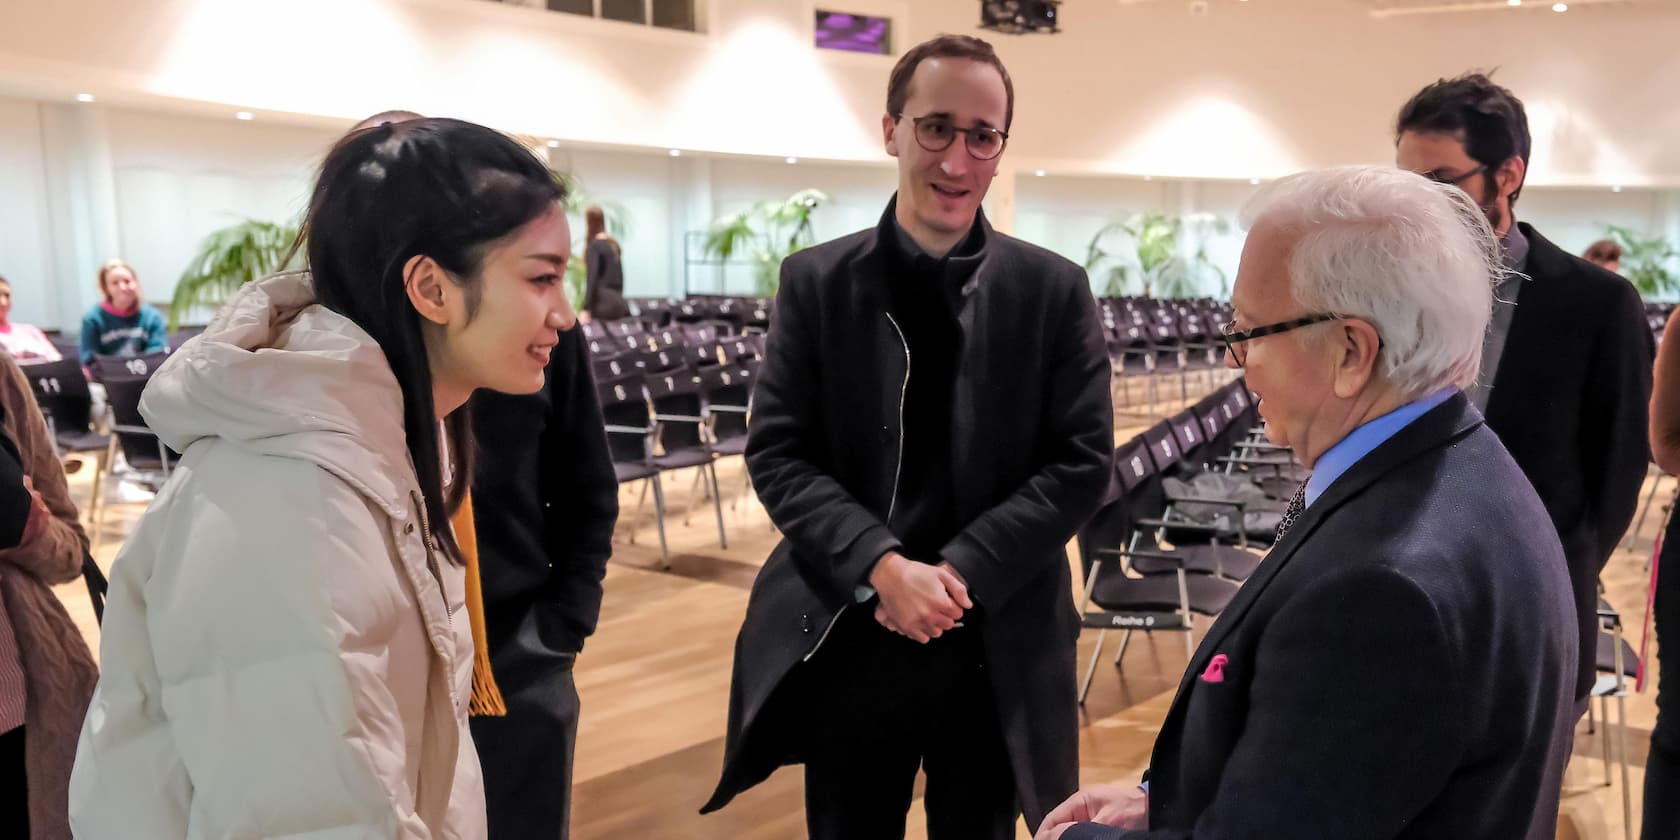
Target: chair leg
{"points": [[1125, 642], [717, 504], [103, 466], [1592, 721], [1604, 710], [659, 517], [1622, 753], [1091, 671], [641, 499]]}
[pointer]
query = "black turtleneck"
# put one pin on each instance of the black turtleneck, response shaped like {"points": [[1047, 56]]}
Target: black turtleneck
{"points": [[925, 298]]}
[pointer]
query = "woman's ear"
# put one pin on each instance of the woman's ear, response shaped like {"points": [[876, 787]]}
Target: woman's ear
{"points": [[428, 288]]}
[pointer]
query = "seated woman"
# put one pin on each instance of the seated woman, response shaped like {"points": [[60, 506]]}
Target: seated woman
{"points": [[23, 342], [122, 325]]}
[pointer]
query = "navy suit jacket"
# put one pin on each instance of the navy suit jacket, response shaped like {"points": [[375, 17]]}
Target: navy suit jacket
{"points": [[1401, 665]]}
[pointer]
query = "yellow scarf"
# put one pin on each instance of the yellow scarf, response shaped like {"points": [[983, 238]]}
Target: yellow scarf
{"points": [[486, 697]]}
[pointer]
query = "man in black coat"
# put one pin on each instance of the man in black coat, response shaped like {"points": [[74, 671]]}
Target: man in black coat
{"points": [[1566, 371], [931, 426], [544, 503], [1402, 663]]}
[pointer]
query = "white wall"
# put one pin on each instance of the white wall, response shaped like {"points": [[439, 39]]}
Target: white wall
{"points": [[175, 178], [24, 259], [1252, 89]]}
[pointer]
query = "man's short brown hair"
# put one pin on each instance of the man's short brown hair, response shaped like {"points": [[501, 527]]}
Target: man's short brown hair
{"points": [[945, 46]]}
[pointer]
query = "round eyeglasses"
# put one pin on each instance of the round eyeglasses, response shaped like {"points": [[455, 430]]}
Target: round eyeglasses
{"points": [[936, 133]]}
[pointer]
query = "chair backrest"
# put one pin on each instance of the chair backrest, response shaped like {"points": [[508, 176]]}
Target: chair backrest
{"points": [[106, 368], [700, 333], [700, 355], [1192, 440], [1111, 526], [624, 404], [677, 393], [612, 367], [61, 389], [1216, 419], [659, 361], [690, 311], [125, 380], [665, 339], [729, 386]]}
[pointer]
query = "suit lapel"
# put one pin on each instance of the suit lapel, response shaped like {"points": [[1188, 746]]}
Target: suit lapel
{"points": [[1440, 426], [1534, 312]]}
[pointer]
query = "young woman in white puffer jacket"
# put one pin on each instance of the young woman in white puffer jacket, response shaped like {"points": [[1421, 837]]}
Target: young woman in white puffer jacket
{"points": [[285, 647]]}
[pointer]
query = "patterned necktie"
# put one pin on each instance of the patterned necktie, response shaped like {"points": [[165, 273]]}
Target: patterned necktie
{"points": [[1297, 503]]}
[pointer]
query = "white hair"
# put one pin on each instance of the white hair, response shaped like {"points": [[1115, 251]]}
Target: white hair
{"points": [[1416, 259]]}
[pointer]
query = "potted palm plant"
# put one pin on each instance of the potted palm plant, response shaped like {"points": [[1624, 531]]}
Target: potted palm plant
{"points": [[767, 233], [227, 259], [1646, 261], [1153, 258]]}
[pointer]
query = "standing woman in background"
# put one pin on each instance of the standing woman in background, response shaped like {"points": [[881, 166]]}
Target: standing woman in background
{"points": [[603, 297], [287, 648], [1662, 767], [122, 325]]}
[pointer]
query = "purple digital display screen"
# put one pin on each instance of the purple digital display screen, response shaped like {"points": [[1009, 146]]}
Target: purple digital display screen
{"points": [[854, 33]]}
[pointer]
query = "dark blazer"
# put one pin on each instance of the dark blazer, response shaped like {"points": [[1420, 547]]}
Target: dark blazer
{"points": [[1569, 401], [545, 500], [1030, 446], [1400, 666]]}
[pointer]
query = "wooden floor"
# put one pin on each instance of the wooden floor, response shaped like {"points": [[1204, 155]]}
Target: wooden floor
{"points": [[655, 678]]}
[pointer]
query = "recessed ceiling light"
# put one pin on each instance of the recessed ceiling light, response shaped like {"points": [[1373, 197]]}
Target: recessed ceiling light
{"points": [[1560, 7], [1616, 188], [1254, 181], [1513, 2], [554, 144], [676, 153], [793, 160], [84, 97], [1149, 177], [1039, 173], [245, 116]]}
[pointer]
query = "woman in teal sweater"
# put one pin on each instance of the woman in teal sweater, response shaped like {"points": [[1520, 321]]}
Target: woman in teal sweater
{"points": [[122, 325]]}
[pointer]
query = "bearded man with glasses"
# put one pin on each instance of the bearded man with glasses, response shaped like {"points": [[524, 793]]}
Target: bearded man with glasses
{"points": [[931, 426], [1566, 361]]}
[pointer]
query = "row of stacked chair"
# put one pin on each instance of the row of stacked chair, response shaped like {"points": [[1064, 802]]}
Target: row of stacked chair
{"points": [[732, 313], [1153, 339], [1190, 500], [674, 397]]}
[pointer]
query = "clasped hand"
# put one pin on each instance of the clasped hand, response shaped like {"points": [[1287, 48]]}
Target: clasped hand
{"points": [[917, 600]]}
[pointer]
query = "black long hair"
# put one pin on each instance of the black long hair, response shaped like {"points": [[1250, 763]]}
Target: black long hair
{"points": [[440, 188]]}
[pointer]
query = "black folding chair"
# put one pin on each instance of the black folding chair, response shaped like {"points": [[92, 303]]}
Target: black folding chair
{"points": [[630, 438], [681, 440], [149, 460], [66, 401], [1167, 600]]}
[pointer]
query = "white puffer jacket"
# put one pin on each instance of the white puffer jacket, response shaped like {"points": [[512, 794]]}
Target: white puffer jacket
{"points": [[283, 654]]}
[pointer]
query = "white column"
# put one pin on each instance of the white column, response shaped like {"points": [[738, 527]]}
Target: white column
{"points": [[81, 205], [1000, 200], [690, 209]]}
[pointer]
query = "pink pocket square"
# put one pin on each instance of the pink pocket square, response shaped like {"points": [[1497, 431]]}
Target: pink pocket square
{"points": [[1215, 672]]}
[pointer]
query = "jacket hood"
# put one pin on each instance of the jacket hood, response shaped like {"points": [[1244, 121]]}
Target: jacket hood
{"points": [[281, 375]]}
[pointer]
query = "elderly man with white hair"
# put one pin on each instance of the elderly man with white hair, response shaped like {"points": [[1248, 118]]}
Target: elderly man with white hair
{"points": [[1402, 663]]}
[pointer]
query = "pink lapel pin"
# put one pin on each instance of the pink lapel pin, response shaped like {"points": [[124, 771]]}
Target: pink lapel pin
{"points": [[1215, 672]]}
